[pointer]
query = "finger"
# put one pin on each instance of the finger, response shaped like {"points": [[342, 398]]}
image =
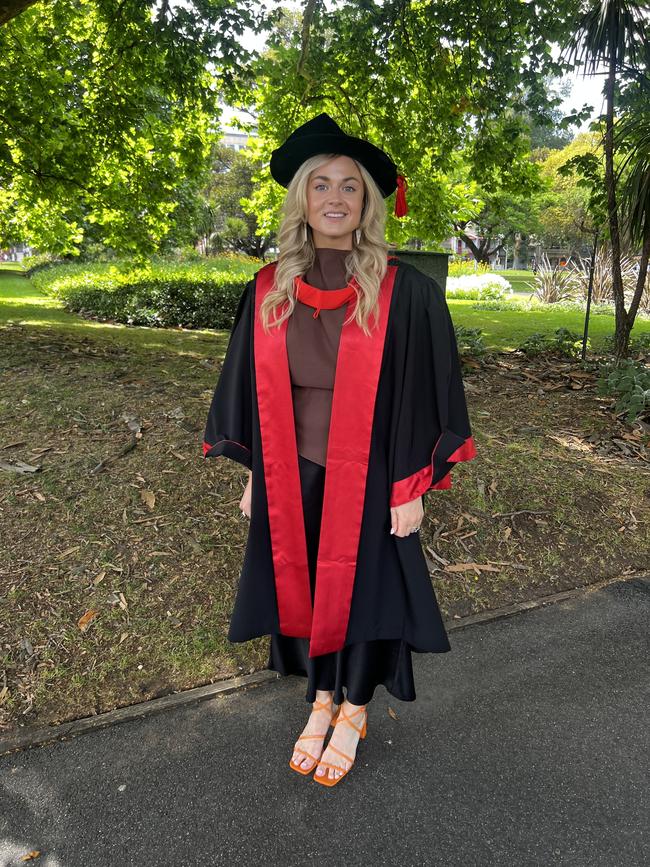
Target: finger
{"points": [[393, 520]]}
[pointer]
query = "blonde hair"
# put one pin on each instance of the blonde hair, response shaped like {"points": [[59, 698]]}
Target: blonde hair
{"points": [[367, 260]]}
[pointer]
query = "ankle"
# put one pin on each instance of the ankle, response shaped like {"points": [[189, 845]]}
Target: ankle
{"points": [[352, 709]]}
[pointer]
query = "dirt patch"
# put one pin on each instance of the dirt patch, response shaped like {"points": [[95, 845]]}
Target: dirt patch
{"points": [[121, 553]]}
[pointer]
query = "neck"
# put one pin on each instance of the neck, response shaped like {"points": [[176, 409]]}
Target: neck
{"points": [[342, 243]]}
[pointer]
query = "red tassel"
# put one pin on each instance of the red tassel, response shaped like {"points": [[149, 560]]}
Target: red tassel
{"points": [[401, 208]]}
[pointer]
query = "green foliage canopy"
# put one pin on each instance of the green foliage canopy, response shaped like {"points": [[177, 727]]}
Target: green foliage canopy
{"points": [[106, 113], [447, 88]]}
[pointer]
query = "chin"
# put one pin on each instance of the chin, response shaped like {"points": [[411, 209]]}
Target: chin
{"points": [[334, 232]]}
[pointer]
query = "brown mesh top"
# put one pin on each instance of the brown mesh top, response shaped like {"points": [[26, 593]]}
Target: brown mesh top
{"points": [[312, 349]]}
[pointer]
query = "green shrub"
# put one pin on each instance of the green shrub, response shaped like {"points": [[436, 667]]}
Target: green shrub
{"points": [[638, 345], [38, 262], [563, 342], [568, 342], [460, 267], [481, 287], [492, 305], [469, 341], [628, 381], [535, 344], [187, 295]]}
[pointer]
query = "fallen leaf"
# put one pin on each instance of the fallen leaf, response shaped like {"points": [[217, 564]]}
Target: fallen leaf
{"points": [[68, 551], [18, 467], [86, 619], [148, 498], [392, 713]]}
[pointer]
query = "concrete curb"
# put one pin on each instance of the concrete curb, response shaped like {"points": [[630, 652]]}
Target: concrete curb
{"points": [[36, 737]]}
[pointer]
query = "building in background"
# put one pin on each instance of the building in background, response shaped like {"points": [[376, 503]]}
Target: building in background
{"points": [[233, 136], [16, 253]]}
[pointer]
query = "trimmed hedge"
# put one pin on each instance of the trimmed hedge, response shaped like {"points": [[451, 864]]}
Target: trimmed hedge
{"points": [[186, 296]]}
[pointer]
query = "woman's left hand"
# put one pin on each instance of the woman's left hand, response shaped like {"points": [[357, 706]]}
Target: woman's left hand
{"points": [[407, 517]]}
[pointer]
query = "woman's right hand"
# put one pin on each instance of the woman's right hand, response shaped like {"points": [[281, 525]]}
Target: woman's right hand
{"points": [[245, 502]]}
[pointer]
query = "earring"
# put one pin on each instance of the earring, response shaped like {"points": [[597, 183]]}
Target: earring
{"points": [[357, 235], [304, 233]]}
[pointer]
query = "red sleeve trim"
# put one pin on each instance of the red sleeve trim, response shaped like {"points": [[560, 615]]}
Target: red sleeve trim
{"points": [[207, 446], [418, 483]]}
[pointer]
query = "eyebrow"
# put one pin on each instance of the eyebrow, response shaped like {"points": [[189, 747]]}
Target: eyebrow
{"points": [[325, 178]]}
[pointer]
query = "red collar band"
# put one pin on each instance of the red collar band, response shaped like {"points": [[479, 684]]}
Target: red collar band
{"points": [[324, 299]]}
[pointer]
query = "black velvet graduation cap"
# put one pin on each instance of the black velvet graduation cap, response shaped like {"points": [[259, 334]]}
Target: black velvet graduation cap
{"points": [[322, 134]]}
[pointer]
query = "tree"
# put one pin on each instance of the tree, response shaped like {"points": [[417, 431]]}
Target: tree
{"points": [[106, 111], [634, 131], [504, 222], [440, 87], [613, 33], [551, 131], [226, 225], [566, 213]]}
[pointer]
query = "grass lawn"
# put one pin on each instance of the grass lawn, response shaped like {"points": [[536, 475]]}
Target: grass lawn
{"points": [[519, 280], [502, 329], [506, 329], [21, 302], [122, 552]]}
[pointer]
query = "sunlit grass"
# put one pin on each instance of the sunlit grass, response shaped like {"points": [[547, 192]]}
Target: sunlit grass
{"points": [[506, 329]]}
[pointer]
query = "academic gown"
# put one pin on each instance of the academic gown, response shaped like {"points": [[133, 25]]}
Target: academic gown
{"points": [[398, 425]]}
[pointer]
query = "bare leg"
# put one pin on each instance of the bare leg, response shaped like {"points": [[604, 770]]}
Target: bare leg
{"points": [[344, 738]]}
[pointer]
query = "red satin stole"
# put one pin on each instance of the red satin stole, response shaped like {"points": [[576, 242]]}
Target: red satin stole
{"points": [[348, 449]]}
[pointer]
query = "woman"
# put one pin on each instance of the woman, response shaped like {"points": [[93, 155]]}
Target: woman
{"points": [[341, 392]]}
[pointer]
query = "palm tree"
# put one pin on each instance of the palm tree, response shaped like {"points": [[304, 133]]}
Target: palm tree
{"points": [[634, 134], [612, 33]]}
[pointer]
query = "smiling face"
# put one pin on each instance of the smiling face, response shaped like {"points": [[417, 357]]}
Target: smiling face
{"points": [[335, 194]]}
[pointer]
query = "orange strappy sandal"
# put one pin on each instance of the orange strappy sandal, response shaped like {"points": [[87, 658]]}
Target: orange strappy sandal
{"points": [[324, 780], [317, 705]]}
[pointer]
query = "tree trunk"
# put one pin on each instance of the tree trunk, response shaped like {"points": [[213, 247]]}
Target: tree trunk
{"points": [[623, 328], [10, 8], [480, 252], [643, 275]]}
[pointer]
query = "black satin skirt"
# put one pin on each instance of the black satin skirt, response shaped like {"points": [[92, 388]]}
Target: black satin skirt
{"points": [[358, 668]]}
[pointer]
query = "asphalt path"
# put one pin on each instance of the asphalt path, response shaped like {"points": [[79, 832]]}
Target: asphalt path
{"points": [[527, 745]]}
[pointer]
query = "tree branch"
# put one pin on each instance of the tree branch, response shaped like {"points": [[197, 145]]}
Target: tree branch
{"points": [[11, 9]]}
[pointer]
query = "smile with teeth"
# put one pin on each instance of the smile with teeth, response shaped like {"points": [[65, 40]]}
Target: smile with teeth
{"points": [[336, 215]]}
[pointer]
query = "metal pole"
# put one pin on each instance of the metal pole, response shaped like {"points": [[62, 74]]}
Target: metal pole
{"points": [[589, 293]]}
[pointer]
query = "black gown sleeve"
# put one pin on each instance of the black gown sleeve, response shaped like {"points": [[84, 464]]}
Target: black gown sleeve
{"points": [[228, 429], [432, 432]]}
